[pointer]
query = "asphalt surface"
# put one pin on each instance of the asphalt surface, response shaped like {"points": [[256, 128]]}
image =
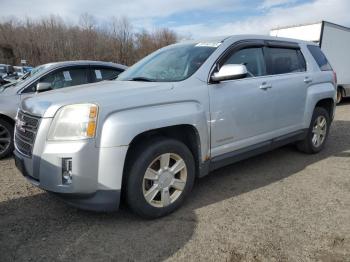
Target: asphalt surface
{"points": [[280, 206]]}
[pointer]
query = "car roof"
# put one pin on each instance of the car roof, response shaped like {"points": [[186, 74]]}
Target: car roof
{"points": [[84, 62], [221, 39]]}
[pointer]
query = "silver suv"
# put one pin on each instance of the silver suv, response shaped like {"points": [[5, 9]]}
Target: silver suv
{"points": [[176, 115], [43, 78]]}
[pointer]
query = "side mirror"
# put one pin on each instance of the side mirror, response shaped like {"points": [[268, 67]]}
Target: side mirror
{"points": [[43, 86], [230, 72]]}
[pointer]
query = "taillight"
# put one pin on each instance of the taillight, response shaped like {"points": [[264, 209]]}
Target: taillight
{"points": [[335, 80]]}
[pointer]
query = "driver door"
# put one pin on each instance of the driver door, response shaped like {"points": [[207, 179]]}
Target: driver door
{"points": [[241, 110]]}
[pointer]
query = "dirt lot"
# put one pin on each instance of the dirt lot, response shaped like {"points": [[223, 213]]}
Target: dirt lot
{"points": [[281, 206]]}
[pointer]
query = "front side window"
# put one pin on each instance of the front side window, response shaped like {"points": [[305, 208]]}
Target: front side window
{"points": [[66, 77], [252, 58], [174, 63], [284, 61]]}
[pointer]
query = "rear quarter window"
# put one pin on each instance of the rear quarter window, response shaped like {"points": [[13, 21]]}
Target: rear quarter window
{"points": [[320, 58]]}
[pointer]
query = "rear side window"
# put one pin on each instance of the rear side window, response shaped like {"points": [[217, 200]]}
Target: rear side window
{"points": [[320, 58], [252, 58], [284, 61], [99, 74]]}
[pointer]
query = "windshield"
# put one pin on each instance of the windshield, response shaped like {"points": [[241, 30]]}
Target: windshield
{"points": [[171, 64], [31, 73], [25, 78]]}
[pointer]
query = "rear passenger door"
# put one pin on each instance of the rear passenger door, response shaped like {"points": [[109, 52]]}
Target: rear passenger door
{"points": [[288, 82], [99, 73]]}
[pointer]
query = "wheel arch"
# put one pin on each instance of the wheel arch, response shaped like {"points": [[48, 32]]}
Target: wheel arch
{"points": [[7, 119], [328, 104], [185, 133], [320, 94]]}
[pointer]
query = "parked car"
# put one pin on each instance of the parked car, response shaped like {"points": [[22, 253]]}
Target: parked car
{"points": [[44, 78], [333, 40], [6, 71], [22, 70], [178, 114]]}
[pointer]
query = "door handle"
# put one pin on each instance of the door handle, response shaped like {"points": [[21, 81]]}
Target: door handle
{"points": [[307, 80], [265, 86]]}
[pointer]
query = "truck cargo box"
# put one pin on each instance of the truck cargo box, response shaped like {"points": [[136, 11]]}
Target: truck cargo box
{"points": [[334, 41]]}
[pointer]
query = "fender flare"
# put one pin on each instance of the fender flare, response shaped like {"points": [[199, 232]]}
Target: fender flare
{"points": [[121, 127]]}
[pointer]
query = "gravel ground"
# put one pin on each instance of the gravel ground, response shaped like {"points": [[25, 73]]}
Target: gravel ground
{"points": [[280, 206]]}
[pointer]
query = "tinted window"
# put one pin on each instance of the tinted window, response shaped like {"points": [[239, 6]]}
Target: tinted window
{"points": [[30, 89], [252, 58], [320, 58], [284, 61], [99, 74], [66, 77]]}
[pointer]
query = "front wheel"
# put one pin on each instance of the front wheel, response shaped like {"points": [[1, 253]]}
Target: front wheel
{"points": [[6, 138], [161, 176], [318, 132]]}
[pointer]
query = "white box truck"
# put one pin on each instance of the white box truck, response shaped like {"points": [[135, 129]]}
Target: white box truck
{"points": [[334, 41]]}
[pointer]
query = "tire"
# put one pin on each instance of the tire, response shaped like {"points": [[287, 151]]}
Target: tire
{"points": [[339, 95], [158, 193], [6, 138], [308, 145]]}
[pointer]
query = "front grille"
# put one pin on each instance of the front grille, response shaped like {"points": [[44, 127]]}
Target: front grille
{"points": [[25, 132]]}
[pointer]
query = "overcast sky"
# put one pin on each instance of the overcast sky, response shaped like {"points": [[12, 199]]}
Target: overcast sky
{"points": [[190, 18]]}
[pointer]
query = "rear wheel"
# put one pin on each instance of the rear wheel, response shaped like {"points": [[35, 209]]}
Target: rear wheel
{"points": [[318, 132], [339, 95], [160, 177], [6, 138]]}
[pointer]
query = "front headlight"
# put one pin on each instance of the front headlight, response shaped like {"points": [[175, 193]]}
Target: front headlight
{"points": [[74, 122]]}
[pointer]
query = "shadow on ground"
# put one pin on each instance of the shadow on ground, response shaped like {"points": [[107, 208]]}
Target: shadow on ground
{"points": [[41, 227]]}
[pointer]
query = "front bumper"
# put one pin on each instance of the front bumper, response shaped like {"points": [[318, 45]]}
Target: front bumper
{"points": [[96, 173]]}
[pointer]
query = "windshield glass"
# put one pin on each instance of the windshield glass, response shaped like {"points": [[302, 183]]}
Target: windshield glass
{"points": [[25, 78], [171, 64], [31, 73]]}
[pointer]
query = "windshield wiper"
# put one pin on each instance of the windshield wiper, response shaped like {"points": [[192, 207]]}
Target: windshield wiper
{"points": [[142, 79]]}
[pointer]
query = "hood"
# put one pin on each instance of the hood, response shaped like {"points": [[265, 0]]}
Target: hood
{"points": [[107, 94], [8, 89]]}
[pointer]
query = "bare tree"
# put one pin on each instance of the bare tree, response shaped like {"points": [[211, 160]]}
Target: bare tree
{"points": [[51, 39]]}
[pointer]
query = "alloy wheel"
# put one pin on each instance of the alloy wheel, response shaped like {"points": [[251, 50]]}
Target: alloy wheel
{"points": [[5, 139], [319, 131], [164, 180]]}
